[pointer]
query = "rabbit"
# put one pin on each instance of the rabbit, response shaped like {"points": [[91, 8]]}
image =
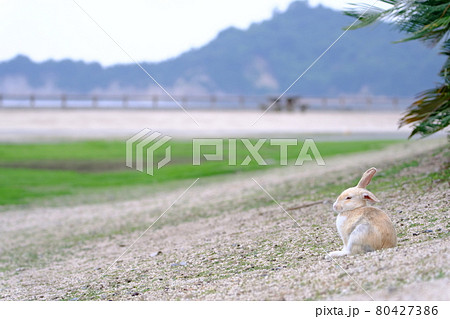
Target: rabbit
{"points": [[362, 228]]}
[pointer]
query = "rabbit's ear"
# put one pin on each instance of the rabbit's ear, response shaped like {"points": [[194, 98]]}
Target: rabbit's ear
{"points": [[369, 196], [367, 177]]}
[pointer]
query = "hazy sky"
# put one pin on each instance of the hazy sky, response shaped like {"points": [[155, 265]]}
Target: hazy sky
{"points": [[149, 30]]}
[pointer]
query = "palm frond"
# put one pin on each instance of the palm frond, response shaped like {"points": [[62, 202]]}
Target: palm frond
{"points": [[427, 21]]}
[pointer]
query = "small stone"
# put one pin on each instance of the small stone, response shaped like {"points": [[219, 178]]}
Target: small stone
{"points": [[183, 263], [428, 231], [20, 269], [392, 289], [276, 268], [156, 253]]}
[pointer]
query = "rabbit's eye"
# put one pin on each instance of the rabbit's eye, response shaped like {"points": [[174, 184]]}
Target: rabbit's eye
{"points": [[349, 197]]}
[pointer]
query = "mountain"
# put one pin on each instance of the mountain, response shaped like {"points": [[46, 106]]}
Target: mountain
{"points": [[263, 59]]}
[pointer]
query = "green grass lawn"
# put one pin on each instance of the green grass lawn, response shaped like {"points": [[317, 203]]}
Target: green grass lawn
{"points": [[39, 171]]}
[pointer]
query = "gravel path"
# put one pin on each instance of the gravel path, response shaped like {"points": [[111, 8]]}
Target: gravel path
{"points": [[225, 239]]}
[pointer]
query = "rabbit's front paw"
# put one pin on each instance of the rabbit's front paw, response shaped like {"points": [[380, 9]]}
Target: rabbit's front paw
{"points": [[334, 254]]}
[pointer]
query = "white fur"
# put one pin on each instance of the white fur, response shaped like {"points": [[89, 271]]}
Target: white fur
{"points": [[340, 253], [340, 220], [356, 239]]}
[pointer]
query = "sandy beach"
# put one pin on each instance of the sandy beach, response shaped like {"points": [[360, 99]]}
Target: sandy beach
{"points": [[44, 124]]}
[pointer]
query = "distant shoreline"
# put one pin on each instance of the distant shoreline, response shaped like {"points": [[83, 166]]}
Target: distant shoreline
{"points": [[23, 125]]}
